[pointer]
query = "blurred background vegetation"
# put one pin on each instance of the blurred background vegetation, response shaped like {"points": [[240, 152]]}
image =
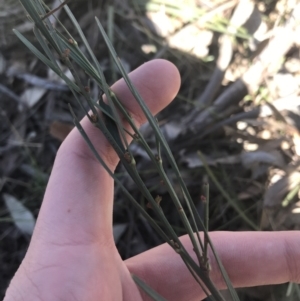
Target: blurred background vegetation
{"points": [[235, 121]]}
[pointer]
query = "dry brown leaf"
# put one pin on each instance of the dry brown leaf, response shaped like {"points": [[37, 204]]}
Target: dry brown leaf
{"points": [[31, 96], [276, 192], [250, 192], [193, 160], [192, 40], [2, 63], [295, 214], [60, 130], [249, 159], [21, 216], [278, 218], [162, 22]]}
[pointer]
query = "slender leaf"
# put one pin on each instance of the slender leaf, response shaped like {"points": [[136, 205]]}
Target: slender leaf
{"points": [[226, 195], [46, 61]]}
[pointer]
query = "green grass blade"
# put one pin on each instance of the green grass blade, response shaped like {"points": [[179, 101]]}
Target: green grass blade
{"points": [[290, 196]]}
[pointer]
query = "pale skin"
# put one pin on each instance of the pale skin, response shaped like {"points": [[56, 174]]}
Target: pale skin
{"points": [[72, 255]]}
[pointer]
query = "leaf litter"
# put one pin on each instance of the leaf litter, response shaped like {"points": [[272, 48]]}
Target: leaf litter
{"points": [[247, 127]]}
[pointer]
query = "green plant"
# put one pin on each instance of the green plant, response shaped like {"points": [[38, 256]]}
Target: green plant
{"points": [[106, 117]]}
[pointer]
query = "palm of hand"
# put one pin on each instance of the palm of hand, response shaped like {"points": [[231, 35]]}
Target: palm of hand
{"points": [[89, 271]]}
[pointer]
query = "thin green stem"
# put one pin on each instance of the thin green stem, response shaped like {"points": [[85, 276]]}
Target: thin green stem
{"points": [[206, 223], [110, 32], [106, 118], [225, 194]]}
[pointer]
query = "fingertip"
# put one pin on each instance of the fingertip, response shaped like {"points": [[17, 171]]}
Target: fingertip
{"points": [[168, 79], [158, 82], [165, 76]]}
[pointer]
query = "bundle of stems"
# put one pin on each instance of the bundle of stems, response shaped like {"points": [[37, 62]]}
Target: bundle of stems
{"points": [[59, 45]]}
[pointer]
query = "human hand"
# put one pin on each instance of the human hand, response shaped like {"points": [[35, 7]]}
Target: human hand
{"points": [[72, 255]]}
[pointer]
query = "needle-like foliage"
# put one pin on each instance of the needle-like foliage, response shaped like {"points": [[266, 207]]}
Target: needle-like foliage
{"points": [[59, 45]]}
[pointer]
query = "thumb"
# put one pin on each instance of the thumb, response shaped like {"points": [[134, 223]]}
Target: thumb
{"points": [[77, 206]]}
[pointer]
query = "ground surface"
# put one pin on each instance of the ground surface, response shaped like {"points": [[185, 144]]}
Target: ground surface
{"points": [[240, 99]]}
